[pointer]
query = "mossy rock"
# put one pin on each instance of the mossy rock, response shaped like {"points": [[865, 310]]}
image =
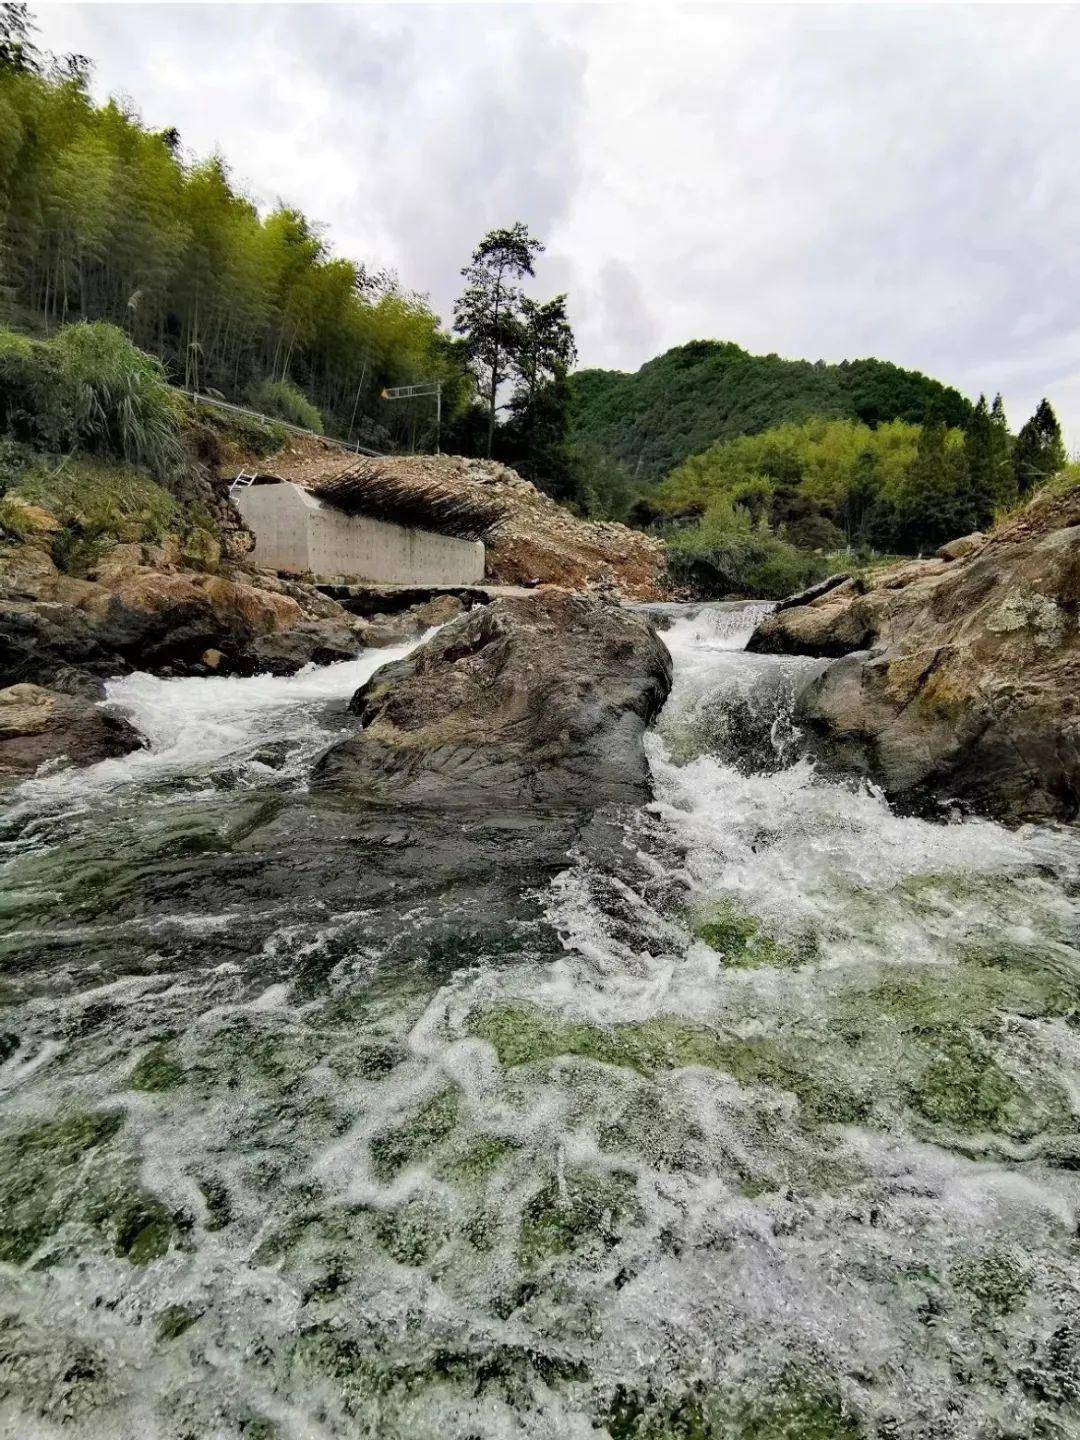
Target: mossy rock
{"points": [[739, 937], [394, 1150], [799, 1406], [522, 1035], [962, 1086], [479, 1159], [412, 1233], [174, 1320], [42, 1179], [158, 1068], [576, 1212], [635, 1415], [140, 1226], [998, 1280]]}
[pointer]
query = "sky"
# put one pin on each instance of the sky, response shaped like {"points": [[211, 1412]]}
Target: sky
{"points": [[823, 182]]}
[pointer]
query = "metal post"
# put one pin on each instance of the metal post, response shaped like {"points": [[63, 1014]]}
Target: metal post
{"points": [[416, 392]]}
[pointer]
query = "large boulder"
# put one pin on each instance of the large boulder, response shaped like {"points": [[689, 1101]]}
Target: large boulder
{"points": [[957, 677], [39, 725], [530, 703]]}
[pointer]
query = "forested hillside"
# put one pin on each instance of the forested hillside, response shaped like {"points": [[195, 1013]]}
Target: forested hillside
{"points": [[709, 390], [102, 218]]}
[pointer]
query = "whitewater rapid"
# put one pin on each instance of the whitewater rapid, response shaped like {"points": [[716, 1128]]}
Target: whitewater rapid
{"points": [[763, 1127]]}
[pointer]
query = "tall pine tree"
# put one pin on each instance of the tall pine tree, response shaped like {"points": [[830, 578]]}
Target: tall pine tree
{"points": [[979, 453], [1003, 481], [1039, 451]]}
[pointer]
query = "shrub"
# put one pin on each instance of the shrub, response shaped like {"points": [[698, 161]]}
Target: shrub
{"points": [[285, 402], [89, 388], [725, 554]]}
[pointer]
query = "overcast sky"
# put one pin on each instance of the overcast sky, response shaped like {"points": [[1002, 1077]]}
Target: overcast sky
{"points": [[820, 181]]}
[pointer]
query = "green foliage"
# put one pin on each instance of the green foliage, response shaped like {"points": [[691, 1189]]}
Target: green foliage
{"points": [[707, 391], [285, 402], [821, 484], [490, 313], [89, 388], [97, 503], [1039, 452], [602, 487], [103, 219], [724, 553], [824, 459], [988, 451], [534, 437]]}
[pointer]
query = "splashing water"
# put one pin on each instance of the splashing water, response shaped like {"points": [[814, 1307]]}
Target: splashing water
{"points": [[763, 1127]]}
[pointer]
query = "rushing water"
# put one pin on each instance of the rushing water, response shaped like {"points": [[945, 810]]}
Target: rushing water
{"points": [[763, 1127]]}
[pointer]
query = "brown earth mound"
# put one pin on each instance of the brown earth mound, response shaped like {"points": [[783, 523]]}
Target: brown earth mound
{"points": [[527, 536]]}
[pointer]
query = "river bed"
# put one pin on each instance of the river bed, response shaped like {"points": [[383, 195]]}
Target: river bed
{"points": [[760, 1124]]}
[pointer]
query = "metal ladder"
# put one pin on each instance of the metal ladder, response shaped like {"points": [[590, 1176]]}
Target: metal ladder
{"points": [[243, 480]]}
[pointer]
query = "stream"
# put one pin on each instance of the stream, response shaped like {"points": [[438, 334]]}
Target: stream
{"points": [[757, 1123]]}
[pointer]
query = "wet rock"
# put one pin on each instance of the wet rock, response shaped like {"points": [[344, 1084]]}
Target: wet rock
{"points": [[311, 642], [959, 677], [39, 725], [813, 592], [532, 702], [383, 630], [130, 616]]}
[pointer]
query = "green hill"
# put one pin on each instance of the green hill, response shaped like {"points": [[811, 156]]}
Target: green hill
{"points": [[709, 390]]}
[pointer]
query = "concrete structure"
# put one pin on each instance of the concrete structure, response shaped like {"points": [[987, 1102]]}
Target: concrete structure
{"points": [[296, 531]]}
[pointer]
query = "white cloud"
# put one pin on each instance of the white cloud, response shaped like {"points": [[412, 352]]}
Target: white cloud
{"points": [[822, 181]]}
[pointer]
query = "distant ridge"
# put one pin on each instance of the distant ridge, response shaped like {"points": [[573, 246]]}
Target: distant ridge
{"points": [[682, 401]]}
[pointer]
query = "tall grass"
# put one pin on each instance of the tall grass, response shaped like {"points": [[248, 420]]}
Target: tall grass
{"points": [[88, 388]]}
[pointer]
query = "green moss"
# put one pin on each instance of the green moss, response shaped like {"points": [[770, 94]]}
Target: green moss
{"points": [[410, 1234], [99, 497], [637, 1416], [480, 1160], [998, 1280], [799, 1407], [159, 1068], [393, 1150], [825, 1096], [170, 1323], [41, 1176], [522, 1035], [141, 1228], [962, 1086], [578, 1211], [739, 937], [1033, 981]]}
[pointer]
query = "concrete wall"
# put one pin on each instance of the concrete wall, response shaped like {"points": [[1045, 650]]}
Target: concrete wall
{"points": [[294, 530]]}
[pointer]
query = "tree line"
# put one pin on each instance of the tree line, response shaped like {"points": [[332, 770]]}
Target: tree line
{"points": [[827, 485], [102, 218]]}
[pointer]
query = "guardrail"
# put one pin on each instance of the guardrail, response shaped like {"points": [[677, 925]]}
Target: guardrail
{"points": [[201, 399]]}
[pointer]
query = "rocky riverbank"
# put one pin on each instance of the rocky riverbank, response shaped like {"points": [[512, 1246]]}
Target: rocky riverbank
{"points": [[956, 677]]}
